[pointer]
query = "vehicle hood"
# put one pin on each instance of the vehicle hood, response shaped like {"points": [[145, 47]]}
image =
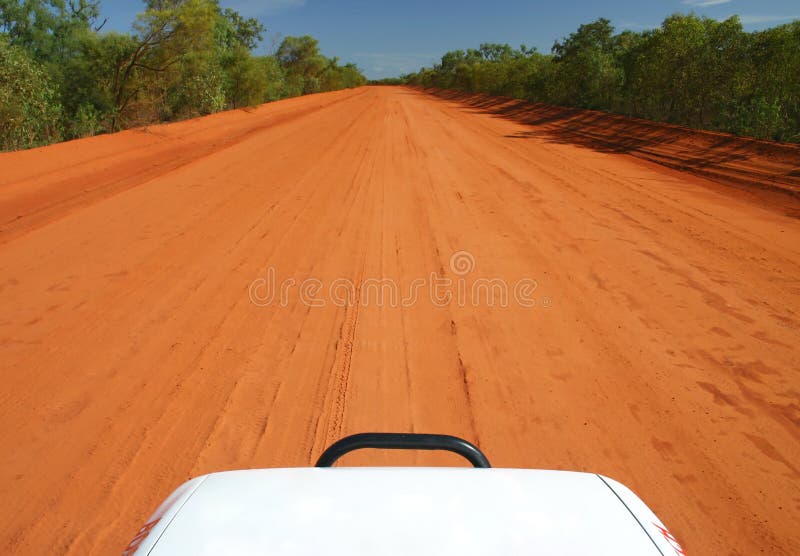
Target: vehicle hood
{"points": [[415, 511]]}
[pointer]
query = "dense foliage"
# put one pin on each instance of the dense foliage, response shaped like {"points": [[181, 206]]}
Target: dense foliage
{"points": [[692, 71], [63, 77]]}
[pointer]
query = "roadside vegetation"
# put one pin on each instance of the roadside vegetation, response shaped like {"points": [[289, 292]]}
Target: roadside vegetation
{"points": [[692, 71], [63, 77]]}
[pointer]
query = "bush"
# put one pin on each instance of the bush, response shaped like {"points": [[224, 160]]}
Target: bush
{"points": [[694, 71], [60, 77], [29, 108], [87, 121]]}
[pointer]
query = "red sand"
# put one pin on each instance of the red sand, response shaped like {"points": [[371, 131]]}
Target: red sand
{"points": [[133, 358]]}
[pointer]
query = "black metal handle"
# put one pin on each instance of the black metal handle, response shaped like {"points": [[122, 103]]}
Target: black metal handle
{"points": [[401, 441]]}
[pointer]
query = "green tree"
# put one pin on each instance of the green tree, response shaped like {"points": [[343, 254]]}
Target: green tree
{"points": [[244, 76], [274, 76], [246, 79], [87, 90], [692, 70], [172, 38], [183, 58], [301, 59], [29, 107], [45, 28], [770, 107], [586, 69]]}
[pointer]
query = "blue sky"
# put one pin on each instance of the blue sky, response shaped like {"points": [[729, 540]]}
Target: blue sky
{"points": [[390, 38]]}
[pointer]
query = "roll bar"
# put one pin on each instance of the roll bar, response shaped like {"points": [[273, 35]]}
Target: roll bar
{"points": [[403, 441]]}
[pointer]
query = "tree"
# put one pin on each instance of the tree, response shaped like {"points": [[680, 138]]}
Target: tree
{"points": [[586, 70], [87, 88], [164, 33], [692, 70], [63, 78], [301, 59], [47, 29], [244, 78], [29, 108], [274, 76], [771, 103], [234, 31]]}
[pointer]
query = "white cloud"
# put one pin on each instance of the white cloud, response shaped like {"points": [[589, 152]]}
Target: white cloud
{"points": [[756, 19], [704, 3]]}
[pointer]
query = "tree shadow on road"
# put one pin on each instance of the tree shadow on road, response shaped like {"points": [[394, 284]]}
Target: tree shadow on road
{"points": [[721, 157]]}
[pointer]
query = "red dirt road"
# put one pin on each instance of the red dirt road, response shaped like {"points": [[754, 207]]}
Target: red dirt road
{"points": [[661, 350]]}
